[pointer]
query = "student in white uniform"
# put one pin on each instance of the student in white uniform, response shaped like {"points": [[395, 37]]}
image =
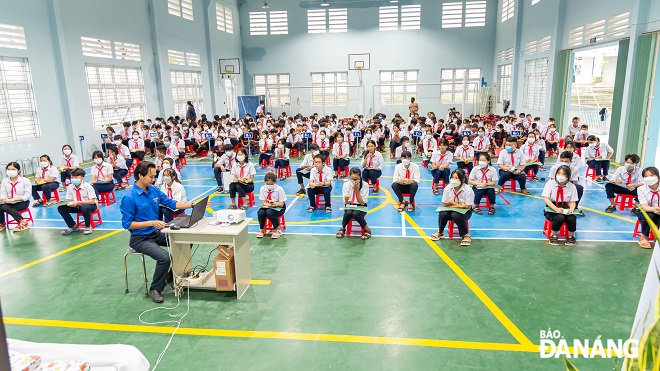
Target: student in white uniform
{"points": [[457, 195], [481, 143], [464, 155], [649, 200], [168, 163], [372, 164], [601, 151], [342, 153], [305, 168], [136, 146], [243, 183], [173, 188], [429, 145], [46, 179], [530, 154], [320, 182], [223, 164], [102, 173], [404, 147], [68, 162], [406, 180], [576, 160], [355, 192], [560, 195], [123, 150], [14, 197], [625, 180], [565, 160], [512, 165], [484, 176], [440, 163], [281, 157], [82, 199], [118, 164], [171, 151], [272, 197]]}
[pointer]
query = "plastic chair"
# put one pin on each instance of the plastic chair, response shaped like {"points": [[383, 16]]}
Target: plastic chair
{"points": [[250, 197], [22, 212], [269, 226], [107, 198], [284, 172], [320, 201], [441, 184], [547, 229], [510, 185], [183, 162], [293, 152], [130, 251], [638, 231], [624, 201], [338, 173], [93, 222], [54, 195], [124, 182], [407, 195], [376, 187], [486, 204], [591, 173], [452, 229], [354, 228], [530, 174]]}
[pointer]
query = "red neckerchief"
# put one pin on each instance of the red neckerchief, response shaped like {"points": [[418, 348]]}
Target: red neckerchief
{"points": [[456, 194], [78, 195], [68, 161]]}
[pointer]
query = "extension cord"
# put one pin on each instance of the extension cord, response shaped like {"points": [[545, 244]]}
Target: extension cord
{"points": [[194, 281]]}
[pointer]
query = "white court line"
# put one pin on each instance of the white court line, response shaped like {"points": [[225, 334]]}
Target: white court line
{"points": [[289, 208], [403, 225]]}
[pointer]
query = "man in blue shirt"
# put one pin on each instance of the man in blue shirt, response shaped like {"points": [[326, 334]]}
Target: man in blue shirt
{"points": [[139, 215]]}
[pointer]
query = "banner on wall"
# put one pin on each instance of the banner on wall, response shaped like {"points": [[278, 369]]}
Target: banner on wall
{"points": [[248, 104]]}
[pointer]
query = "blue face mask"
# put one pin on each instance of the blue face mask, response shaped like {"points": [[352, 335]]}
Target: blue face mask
{"points": [[175, 138], [166, 144], [509, 149], [76, 182]]}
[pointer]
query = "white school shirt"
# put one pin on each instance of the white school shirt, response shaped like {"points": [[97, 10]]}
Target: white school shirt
{"points": [[180, 144], [276, 195], [529, 152], [551, 188], [601, 151], [281, 153], [49, 172], [124, 151], [86, 192], [573, 130], [71, 161], [133, 144], [101, 172], [429, 145], [635, 176], [265, 145], [348, 191], [478, 174], [463, 152], [175, 191], [158, 162], [552, 136], [227, 162], [324, 145], [308, 160], [647, 196], [375, 162], [172, 152], [505, 159], [247, 168], [581, 135], [326, 172], [465, 194], [574, 172], [399, 150], [400, 172], [480, 144], [345, 149], [121, 163], [441, 159], [20, 188], [159, 179]]}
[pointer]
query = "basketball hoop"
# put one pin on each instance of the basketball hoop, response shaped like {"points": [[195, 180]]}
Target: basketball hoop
{"points": [[358, 68]]}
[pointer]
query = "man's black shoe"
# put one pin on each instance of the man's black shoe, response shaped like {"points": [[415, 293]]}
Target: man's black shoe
{"points": [[156, 296]]}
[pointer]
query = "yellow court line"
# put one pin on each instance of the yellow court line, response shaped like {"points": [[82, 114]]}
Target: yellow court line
{"points": [[492, 307], [379, 207], [55, 255], [453, 344], [260, 282]]}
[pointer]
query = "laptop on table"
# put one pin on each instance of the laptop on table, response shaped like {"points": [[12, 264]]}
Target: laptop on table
{"points": [[189, 221]]}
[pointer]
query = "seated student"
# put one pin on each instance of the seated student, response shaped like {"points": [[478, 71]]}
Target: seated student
{"points": [[324, 144], [406, 180], [582, 137], [341, 151], [429, 145], [109, 141], [372, 163], [305, 168], [457, 195], [540, 144], [119, 167], [265, 151], [160, 156], [102, 174], [481, 143], [179, 144], [170, 150], [243, 182], [404, 147], [123, 150], [46, 179], [82, 199], [356, 193], [281, 157], [440, 163], [512, 165], [560, 195], [136, 146], [14, 197], [565, 160], [464, 155], [222, 164], [601, 152], [530, 154], [575, 158], [294, 140], [499, 137], [168, 163], [172, 187], [395, 142], [68, 162], [320, 182], [551, 139], [625, 180], [649, 200], [272, 197], [484, 176]]}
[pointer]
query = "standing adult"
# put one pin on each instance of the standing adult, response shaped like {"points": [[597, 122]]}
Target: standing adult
{"points": [[413, 107], [190, 112]]}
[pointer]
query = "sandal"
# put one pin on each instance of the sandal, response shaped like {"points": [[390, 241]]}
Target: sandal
{"points": [[411, 208], [491, 210], [37, 203], [366, 235], [477, 210], [22, 225], [341, 233], [276, 234], [260, 234], [436, 192], [535, 179], [328, 209], [374, 192], [400, 208], [580, 212], [244, 207], [570, 241], [466, 241], [219, 190], [2, 227], [437, 236], [610, 209], [301, 193], [232, 207], [87, 231], [69, 231], [554, 241], [310, 209], [644, 243]]}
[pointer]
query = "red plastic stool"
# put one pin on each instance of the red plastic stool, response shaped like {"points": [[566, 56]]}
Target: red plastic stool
{"points": [[638, 231], [376, 186], [124, 182], [453, 229], [547, 229], [93, 222], [530, 174], [250, 197], [107, 198], [327, 161], [404, 195], [183, 161], [22, 212], [293, 152], [54, 195], [484, 204], [284, 172], [561, 143], [591, 173], [441, 184], [319, 200], [345, 172], [624, 201], [354, 228], [269, 226], [511, 185]]}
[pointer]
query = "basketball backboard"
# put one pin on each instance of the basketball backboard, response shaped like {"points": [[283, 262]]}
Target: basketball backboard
{"points": [[359, 62], [230, 66]]}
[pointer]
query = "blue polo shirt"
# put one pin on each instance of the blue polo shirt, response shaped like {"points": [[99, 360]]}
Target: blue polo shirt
{"points": [[142, 206]]}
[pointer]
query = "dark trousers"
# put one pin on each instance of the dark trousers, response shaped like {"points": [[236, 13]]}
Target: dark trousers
{"points": [[533, 167], [463, 165], [580, 192], [602, 167], [459, 219], [359, 217], [479, 194], [66, 211], [13, 210], [646, 229], [270, 214], [549, 146], [542, 157], [217, 172], [281, 163], [559, 219], [240, 188], [400, 189], [300, 176], [312, 192], [372, 175], [441, 174], [166, 213], [129, 162], [505, 176], [119, 174], [149, 245], [394, 145], [46, 188], [103, 188], [265, 157], [66, 174], [611, 190], [340, 164]]}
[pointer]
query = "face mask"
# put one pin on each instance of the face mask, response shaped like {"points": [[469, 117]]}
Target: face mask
{"points": [[429, 136], [483, 164], [561, 178], [630, 167], [230, 153], [322, 136], [67, 152], [466, 143], [270, 187], [166, 166], [175, 138], [509, 149], [481, 134], [454, 182], [240, 158], [44, 164], [12, 173], [166, 144], [98, 161], [498, 130], [592, 145], [314, 153], [118, 143], [367, 136], [136, 137], [530, 140], [167, 180], [405, 162], [552, 130], [650, 180], [76, 182]]}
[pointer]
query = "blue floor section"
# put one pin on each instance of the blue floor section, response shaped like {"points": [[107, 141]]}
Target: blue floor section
{"points": [[517, 216]]}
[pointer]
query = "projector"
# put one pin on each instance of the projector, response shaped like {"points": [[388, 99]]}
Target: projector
{"points": [[229, 216]]}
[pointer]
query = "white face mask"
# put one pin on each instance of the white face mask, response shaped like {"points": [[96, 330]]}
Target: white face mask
{"points": [[405, 162], [561, 178], [483, 164], [229, 153], [428, 136], [592, 145], [67, 152], [44, 164], [270, 187], [98, 161], [454, 182], [552, 130], [167, 180], [118, 143], [12, 173], [481, 134], [136, 137], [314, 153], [630, 167], [280, 146], [498, 130], [530, 140], [166, 166], [240, 158], [367, 136], [466, 143], [650, 180]]}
